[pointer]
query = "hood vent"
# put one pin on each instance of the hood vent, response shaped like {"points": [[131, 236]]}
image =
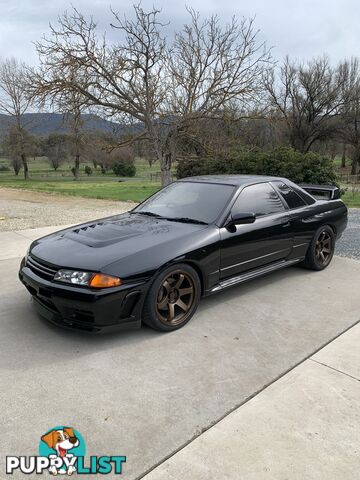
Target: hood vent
{"points": [[101, 234], [84, 229]]}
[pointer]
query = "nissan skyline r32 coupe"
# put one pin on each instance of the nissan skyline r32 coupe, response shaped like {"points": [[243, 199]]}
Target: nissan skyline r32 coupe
{"points": [[193, 238]]}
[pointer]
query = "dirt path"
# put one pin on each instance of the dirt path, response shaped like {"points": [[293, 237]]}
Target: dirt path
{"points": [[21, 209]]}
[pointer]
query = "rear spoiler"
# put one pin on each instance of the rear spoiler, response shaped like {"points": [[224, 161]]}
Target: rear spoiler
{"points": [[329, 192]]}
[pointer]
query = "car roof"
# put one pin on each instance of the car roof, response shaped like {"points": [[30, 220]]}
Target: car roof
{"points": [[235, 180]]}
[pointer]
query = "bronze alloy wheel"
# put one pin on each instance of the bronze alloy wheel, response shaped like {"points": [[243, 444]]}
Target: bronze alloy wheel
{"points": [[323, 248], [176, 297]]}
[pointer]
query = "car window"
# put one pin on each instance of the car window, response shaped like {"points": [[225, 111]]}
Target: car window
{"points": [[260, 199], [197, 200], [290, 197]]}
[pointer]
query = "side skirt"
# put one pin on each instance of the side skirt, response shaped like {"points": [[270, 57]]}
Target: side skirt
{"points": [[258, 272]]}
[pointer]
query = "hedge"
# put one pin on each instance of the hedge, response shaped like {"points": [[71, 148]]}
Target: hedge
{"points": [[124, 169], [282, 162]]}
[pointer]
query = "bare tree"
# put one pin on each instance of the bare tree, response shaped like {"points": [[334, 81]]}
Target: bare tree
{"points": [[215, 74], [15, 143], [100, 151], [69, 101], [208, 71], [343, 156], [77, 135], [350, 111], [16, 164], [14, 102], [56, 148], [308, 98]]}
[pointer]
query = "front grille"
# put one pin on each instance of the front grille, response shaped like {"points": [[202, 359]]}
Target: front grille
{"points": [[40, 268]]}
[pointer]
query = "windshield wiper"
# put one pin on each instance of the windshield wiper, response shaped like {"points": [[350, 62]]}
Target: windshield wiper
{"points": [[149, 214], [186, 220]]}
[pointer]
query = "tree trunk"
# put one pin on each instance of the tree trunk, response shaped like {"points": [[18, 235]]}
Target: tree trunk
{"points": [[299, 145], [25, 165], [77, 166], [166, 161], [354, 163], [343, 158]]}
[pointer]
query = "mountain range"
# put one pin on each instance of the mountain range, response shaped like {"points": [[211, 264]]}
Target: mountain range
{"points": [[42, 124]]}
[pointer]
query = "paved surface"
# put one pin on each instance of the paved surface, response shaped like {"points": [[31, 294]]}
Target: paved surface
{"points": [[349, 243], [304, 426], [20, 209], [146, 394]]}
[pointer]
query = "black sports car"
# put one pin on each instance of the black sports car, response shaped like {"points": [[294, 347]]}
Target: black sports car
{"points": [[193, 238]]}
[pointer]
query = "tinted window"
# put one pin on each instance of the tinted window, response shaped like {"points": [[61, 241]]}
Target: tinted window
{"points": [[291, 197], [196, 200], [260, 199]]}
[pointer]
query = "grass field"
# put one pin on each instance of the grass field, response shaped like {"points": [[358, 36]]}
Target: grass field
{"points": [[352, 199], [107, 186]]}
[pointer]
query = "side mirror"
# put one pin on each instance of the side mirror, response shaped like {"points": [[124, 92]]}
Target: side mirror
{"points": [[241, 219]]}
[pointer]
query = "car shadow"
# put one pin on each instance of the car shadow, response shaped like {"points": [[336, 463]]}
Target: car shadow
{"points": [[241, 290], [29, 340]]}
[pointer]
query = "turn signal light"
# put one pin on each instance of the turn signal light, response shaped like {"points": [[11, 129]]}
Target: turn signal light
{"points": [[100, 280]]}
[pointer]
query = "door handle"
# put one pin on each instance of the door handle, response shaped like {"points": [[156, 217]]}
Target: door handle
{"points": [[286, 223]]}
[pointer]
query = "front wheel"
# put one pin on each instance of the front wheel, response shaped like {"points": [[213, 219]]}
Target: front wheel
{"points": [[173, 298], [321, 249]]}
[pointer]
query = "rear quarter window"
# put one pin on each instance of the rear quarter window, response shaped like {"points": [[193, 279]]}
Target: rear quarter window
{"points": [[290, 196]]}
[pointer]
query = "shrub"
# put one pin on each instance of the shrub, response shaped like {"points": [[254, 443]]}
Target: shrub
{"points": [[282, 162], [4, 168], [122, 169], [88, 170], [190, 167]]}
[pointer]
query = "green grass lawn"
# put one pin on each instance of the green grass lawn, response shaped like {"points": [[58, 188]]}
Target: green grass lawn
{"points": [[126, 191], [108, 186], [352, 199]]}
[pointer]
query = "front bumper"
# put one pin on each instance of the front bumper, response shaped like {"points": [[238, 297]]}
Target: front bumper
{"points": [[84, 308]]}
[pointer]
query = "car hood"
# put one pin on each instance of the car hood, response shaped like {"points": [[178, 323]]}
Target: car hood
{"points": [[134, 240]]}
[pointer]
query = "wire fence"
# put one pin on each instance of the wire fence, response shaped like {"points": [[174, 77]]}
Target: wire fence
{"points": [[156, 177], [348, 178]]}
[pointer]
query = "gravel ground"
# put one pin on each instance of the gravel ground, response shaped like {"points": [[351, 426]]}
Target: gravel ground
{"points": [[20, 209], [349, 243]]}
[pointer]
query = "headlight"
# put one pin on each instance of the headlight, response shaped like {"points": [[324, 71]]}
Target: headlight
{"points": [[73, 276], [87, 279]]}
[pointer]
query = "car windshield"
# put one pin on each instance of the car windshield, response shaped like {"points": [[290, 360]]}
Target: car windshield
{"points": [[187, 201]]}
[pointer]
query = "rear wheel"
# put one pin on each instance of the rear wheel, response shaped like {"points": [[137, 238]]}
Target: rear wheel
{"points": [[321, 249], [172, 299]]}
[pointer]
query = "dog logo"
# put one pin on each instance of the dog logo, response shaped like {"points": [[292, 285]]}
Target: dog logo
{"points": [[62, 448], [62, 452]]}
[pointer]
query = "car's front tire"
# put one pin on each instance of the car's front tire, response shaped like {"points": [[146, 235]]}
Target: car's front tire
{"points": [[172, 298], [321, 249]]}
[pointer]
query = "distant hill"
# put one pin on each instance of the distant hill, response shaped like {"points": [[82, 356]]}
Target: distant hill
{"points": [[41, 124]]}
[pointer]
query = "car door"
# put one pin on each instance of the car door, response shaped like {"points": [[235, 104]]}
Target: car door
{"points": [[301, 217], [267, 240]]}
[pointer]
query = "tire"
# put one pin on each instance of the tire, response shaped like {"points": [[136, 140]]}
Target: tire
{"points": [[172, 298], [321, 249]]}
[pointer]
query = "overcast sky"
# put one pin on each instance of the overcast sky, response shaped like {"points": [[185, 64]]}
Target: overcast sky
{"points": [[301, 28]]}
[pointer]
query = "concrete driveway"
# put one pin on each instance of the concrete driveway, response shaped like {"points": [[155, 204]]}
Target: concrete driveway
{"points": [[144, 394]]}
